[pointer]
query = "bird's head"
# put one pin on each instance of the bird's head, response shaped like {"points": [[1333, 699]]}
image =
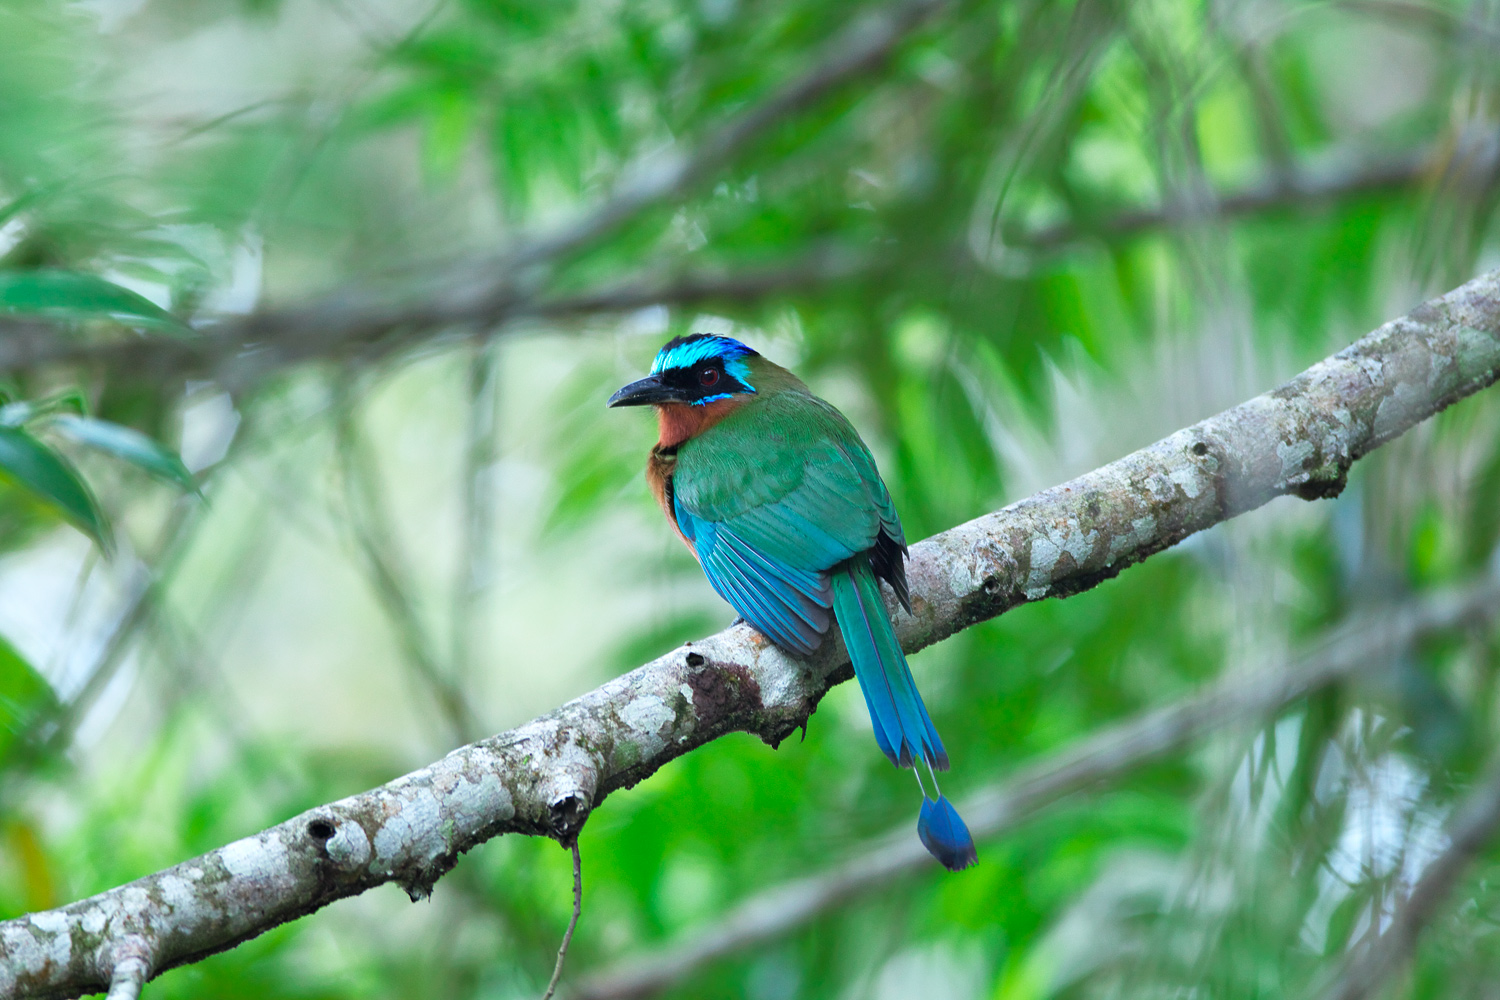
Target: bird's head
{"points": [[692, 371]]}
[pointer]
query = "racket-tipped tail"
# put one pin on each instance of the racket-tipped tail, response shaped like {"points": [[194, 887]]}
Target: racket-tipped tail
{"points": [[945, 835]]}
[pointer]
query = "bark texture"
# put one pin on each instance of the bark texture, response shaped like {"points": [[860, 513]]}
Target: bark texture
{"points": [[545, 777]]}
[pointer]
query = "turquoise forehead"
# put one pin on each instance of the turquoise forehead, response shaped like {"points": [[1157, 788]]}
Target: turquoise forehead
{"points": [[687, 353]]}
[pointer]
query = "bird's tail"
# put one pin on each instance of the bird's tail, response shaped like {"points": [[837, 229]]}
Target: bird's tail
{"points": [[903, 729], [944, 834]]}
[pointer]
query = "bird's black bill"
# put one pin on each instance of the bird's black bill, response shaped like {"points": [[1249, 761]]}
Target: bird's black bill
{"points": [[650, 389]]}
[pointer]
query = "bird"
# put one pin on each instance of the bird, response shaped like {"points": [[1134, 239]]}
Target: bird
{"points": [[779, 500]]}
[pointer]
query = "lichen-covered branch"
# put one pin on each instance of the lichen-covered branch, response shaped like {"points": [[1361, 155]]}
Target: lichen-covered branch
{"points": [[546, 776], [1364, 644]]}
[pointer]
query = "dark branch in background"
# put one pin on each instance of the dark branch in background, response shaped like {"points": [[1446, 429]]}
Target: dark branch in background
{"points": [[1368, 643], [1475, 825], [489, 291], [373, 538], [1434, 20], [237, 352], [545, 777], [825, 265], [479, 510], [859, 49], [1283, 189]]}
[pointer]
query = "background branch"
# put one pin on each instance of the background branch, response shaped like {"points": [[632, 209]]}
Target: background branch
{"points": [[1475, 825], [485, 292], [374, 538], [238, 352], [1369, 642], [1328, 181], [475, 573]]}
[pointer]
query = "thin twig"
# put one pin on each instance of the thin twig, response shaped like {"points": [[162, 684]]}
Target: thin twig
{"points": [[1309, 185], [373, 536], [1360, 645], [476, 556], [53, 731], [562, 951], [1475, 825]]}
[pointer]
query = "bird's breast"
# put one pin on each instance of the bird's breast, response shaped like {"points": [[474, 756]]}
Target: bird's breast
{"points": [[659, 469]]}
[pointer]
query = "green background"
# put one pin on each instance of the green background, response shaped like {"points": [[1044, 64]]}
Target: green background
{"points": [[1062, 231]]}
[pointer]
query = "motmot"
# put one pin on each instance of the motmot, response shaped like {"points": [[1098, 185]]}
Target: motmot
{"points": [[780, 501]]}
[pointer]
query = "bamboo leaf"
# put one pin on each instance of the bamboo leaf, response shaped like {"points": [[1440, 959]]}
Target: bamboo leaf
{"points": [[72, 295], [52, 479], [128, 444], [24, 694]]}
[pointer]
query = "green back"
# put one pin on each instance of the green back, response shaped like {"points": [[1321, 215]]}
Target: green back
{"points": [[788, 474]]}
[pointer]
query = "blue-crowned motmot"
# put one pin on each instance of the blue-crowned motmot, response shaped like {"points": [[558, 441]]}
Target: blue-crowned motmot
{"points": [[780, 501]]}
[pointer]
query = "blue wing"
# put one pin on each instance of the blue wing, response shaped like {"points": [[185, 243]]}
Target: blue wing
{"points": [[788, 604]]}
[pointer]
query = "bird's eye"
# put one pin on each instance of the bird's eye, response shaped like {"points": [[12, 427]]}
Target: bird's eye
{"points": [[708, 377]]}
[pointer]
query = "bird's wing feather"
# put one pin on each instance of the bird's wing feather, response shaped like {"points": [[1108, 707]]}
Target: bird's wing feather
{"points": [[788, 605]]}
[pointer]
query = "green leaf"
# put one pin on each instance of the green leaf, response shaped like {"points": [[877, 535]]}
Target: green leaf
{"points": [[71, 295], [53, 479], [24, 694], [22, 412], [129, 444]]}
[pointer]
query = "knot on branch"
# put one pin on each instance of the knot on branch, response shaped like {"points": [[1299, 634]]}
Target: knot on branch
{"points": [[567, 818], [1326, 479], [725, 695], [127, 966], [568, 791], [1322, 484], [341, 840]]}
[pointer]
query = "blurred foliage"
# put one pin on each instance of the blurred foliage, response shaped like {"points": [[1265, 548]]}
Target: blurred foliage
{"points": [[1040, 282]]}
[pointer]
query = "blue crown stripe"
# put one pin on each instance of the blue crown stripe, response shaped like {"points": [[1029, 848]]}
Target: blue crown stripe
{"points": [[686, 353]]}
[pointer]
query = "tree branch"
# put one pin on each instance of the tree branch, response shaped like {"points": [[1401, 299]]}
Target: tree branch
{"points": [[1282, 189], [489, 291], [239, 351], [479, 517], [546, 776], [1360, 645], [1475, 825], [375, 542], [860, 48]]}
